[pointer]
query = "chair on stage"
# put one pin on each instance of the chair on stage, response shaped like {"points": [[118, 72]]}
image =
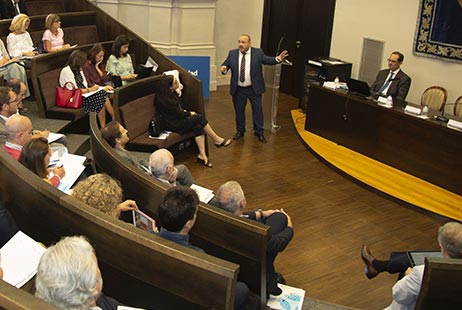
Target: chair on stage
{"points": [[435, 98], [458, 107], [441, 287]]}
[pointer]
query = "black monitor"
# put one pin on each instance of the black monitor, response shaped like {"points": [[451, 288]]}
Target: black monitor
{"points": [[358, 87]]}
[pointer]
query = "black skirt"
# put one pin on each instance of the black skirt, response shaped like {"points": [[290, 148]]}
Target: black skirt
{"points": [[95, 102]]}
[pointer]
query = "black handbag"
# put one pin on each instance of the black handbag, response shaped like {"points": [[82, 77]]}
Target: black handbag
{"points": [[153, 129]]}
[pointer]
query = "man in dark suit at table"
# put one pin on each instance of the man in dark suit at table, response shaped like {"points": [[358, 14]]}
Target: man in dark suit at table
{"points": [[11, 8], [392, 81], [247, 82]]}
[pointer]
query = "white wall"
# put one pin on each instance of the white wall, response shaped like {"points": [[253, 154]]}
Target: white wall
{"points": [[231, 21], [394, 22]]}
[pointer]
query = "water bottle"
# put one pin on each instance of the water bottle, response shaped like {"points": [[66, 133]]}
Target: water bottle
{"points": [[337, 82], [425, 110]]}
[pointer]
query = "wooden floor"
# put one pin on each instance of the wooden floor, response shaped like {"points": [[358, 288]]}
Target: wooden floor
{"points": [[332, 215]]}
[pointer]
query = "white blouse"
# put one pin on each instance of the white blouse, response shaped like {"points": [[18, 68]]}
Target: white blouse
{"points": [[19, 43]]}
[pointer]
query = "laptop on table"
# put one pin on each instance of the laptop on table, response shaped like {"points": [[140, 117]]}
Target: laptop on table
{"points": [[358, 88]]}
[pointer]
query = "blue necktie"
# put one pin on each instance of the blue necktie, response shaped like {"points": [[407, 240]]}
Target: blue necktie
{"points": [[385, 85]]}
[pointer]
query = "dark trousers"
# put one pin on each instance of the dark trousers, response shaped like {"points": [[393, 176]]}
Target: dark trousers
{"points": [[240, 101], [398, 262], [277, 223]]}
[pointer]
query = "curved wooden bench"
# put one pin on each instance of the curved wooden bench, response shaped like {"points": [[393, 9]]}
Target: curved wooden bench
{"points": [[45, 77], [139, 268], [15, 298], [218, 232], [134, 109]]}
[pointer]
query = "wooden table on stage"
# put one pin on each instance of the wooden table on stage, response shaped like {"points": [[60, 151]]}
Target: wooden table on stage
{"points": [[426, 149]]}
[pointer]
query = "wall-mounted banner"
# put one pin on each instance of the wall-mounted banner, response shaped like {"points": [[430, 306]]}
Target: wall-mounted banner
{"points": [[199, 66]]}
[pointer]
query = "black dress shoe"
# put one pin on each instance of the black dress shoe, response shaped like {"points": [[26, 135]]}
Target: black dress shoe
{"points": [[238, 135], [280, 278], [260, 137], [368, 259]]}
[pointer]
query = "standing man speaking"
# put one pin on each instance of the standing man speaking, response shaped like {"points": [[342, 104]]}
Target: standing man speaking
{"points": [[247, 82]]}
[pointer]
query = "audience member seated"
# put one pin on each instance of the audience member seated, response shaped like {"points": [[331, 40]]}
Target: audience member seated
{"points": [[11, 8], [230, 197], [53, 37], [19, 42], [98, 101], [68, 276], [120, 62], [94, 68], [392, 81], [161, 164], [104, 193], [177, 215], [10, 68], [20, 89], [9, 100], [174, 118], [35, 156], [406, 290], [8, 227], [117, 137], [18, 133]]}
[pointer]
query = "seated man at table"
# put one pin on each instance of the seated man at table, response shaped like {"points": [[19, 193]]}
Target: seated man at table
{"points": [[18, 132], [392, 81]]}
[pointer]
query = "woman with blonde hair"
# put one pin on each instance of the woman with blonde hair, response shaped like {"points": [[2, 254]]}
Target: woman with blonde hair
{"points": [[103, 193], [19, 42], [53, 37]]}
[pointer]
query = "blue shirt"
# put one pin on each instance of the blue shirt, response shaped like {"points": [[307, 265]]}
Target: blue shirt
{"points": [[178, 238]]}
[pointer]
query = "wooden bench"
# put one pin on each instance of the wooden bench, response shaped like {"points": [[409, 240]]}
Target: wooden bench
{"points": [[139, 268], [45, 78], [79, 27], [218, 232], [134, 109], [40, 7], [440, 284], [15, 298]]}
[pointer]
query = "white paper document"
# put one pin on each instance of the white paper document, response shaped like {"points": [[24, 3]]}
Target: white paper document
{"points": [[205, 194], [290, 299], [20, 257], [93, 92], [73, 166], [53, 136]]}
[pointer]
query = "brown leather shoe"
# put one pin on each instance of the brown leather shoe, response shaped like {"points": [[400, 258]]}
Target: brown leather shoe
{"points": [[367, 258]]}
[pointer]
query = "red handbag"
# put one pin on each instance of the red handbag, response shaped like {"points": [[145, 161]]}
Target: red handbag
{"points": [[69, 96]]}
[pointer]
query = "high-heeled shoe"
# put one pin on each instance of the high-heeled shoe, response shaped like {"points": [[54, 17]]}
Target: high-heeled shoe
{"points": [[204, 162], [225, 143]]}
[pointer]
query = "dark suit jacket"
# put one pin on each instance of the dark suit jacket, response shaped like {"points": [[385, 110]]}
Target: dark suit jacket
{"points": [[257, 59], [8, 10], [399, 86]]}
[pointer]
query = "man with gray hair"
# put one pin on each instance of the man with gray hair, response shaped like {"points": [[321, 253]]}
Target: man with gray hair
{"points": [[230, 197], [407, 289], [68, 276], [18, 132], [161, 164]]}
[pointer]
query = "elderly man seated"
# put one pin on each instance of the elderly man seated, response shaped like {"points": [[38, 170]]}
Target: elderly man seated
{"points": [[230, 197], [161, 164], [68, 276], [18, 132], [407, 289]]}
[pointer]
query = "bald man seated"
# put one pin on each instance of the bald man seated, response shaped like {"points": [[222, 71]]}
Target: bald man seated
{"points": [[18, 132], [161, 164]]}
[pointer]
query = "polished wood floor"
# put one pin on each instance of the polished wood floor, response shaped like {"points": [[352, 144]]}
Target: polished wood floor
{"points": [[332, 215]]}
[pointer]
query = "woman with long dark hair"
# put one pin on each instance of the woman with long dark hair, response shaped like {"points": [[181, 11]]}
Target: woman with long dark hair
{"points": [[120, 62], [35, 156], [94, 68], [174, 118]]}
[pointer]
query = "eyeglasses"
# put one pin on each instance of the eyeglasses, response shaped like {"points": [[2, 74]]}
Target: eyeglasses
{"points": [[57, 21], [13, 101], [392, 60]]}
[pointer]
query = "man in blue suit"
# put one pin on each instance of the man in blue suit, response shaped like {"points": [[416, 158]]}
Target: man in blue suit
{"points": [[247, 82]]}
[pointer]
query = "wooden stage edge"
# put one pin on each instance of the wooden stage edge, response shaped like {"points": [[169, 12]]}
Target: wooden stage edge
{"points": [[386, 179]]}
